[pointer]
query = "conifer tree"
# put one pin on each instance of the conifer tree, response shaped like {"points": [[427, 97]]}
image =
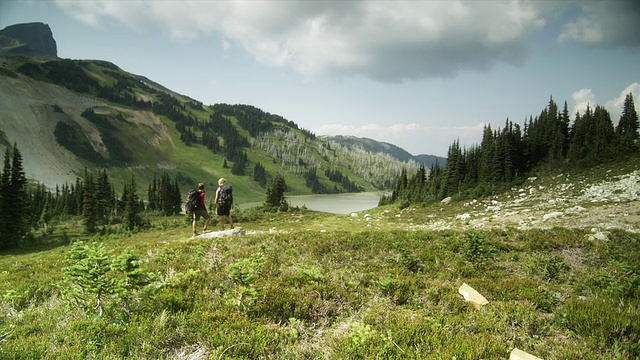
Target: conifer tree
{"points": [[152, 195], [45, 216], [275, 194], [628, 125], [132, 218], [259, 174], [89, 208], [14, 200], [104, 201], [5, 193]]}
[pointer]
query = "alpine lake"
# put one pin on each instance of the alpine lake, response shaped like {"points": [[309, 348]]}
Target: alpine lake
{"points": [[332, 203]]}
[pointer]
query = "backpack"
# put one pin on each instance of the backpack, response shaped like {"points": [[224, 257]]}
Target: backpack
{"points": [[193, 200], [226, 194]]}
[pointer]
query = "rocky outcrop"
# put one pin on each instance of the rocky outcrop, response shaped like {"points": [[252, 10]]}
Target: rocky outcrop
{"points": [[32, 39]]}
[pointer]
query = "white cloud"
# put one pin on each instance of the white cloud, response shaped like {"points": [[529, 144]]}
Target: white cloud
{"points": [[582, 99], [414, 138], [586, 97], [383, 40], [225, 45], [615, 106], [605, 23]]}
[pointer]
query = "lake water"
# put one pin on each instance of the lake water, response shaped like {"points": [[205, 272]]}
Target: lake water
{"points": [[332, 203]]}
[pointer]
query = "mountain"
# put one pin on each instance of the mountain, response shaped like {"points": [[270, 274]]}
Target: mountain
{"points": [[373, 146], [69, 116], [33, 39]]}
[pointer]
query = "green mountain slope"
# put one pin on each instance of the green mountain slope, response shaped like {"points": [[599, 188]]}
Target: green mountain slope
{"points": [[70, 115]]}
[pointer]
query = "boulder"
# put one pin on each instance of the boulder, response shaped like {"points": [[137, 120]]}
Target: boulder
{"points": [[472, 296], [517, 354]]}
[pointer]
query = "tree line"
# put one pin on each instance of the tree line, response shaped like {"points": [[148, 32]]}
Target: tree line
{"points": [[94, 200], [506, 155]]}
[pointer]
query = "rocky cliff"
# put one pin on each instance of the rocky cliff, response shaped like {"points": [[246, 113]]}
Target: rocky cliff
{"points": [[33, 39]]}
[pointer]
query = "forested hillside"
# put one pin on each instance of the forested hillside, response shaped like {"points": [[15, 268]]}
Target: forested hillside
{"points": [[102, 117], [373, 146], [507, 156]]}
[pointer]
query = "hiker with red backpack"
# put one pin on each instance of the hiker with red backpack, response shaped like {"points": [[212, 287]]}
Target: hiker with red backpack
{"points": [[223, 202], [196, 206]]}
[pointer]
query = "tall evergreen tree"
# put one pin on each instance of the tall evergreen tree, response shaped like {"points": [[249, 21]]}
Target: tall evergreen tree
{"points": [[15, 200], [104, 201], [89, 206], [275, 194], [628, 125], [132, 218], [5, 206]]}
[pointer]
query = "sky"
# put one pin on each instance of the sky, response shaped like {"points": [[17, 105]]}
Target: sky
{"points": [[416, 74]]}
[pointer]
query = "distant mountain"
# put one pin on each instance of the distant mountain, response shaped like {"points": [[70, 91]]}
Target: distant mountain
{"points": [[429, 160], [374, 146], [33, 39], [67, 116]]}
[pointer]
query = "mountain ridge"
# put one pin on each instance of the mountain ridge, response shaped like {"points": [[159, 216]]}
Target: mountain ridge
{"points": [[375, 146]]}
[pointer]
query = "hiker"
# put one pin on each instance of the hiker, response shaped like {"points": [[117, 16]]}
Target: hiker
{"points": [[200, 211], [223, 201]]}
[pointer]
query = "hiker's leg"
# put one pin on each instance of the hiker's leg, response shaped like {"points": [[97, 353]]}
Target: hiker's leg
{"points": [[230, 220], [222, 222], [206, 223]]}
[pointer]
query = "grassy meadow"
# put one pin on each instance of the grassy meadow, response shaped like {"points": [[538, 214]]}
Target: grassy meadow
{"points": [[307, 285]]}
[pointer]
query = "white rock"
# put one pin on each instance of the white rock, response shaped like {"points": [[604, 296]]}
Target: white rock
{"points": [[222, 233], [552, 215], [602, 236], [446, 200], [465, 216], [517, 354], [472, 296], [355, 215]]}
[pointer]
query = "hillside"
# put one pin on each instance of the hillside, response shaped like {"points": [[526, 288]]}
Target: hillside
{"points": [[374, 146], [68, 115]]}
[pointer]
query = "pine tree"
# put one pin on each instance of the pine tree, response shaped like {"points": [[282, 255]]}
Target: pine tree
{"points": [[104, 201], [14, 200], [45, 216], [5, 194], [89, 207], [132, 218], [275, 194], [627, 129]]}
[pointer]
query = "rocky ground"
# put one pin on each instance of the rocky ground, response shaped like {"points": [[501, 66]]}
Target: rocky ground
{"points": [[559, 201]]}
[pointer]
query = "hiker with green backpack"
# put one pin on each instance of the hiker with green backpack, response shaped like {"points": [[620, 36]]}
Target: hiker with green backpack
{"points": [[223, 202]]}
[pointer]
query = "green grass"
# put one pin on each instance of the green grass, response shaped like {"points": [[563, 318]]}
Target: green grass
{"points": [[329, 286]]}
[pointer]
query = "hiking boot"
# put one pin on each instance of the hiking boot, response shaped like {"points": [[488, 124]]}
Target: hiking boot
{"points": [[205, 230], [195, 233], [232, 226]]}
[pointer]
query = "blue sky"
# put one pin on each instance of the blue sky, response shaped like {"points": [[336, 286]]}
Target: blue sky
{"points": [[417, 74]]}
